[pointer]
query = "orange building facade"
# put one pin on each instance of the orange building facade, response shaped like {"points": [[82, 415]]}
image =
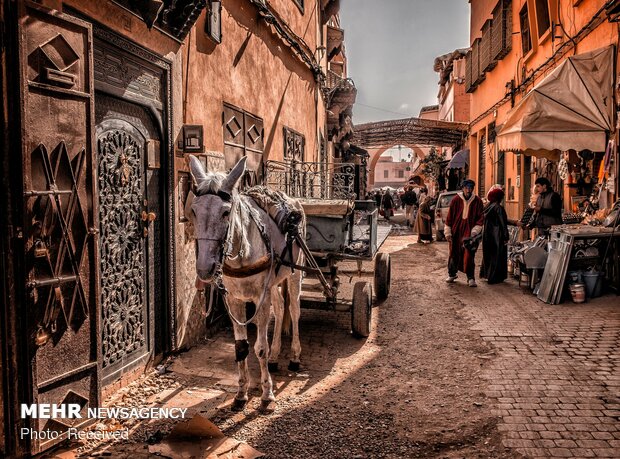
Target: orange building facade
{"points": [[514, 45]]}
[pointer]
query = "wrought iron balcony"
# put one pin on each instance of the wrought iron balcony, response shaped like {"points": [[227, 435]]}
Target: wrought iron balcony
{"points": [[311, 180]]}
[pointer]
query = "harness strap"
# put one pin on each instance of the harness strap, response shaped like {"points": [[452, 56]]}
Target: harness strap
{"points": [[261, 265]]}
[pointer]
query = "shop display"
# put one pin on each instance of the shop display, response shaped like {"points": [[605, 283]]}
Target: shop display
{"points": [[580, 254]]}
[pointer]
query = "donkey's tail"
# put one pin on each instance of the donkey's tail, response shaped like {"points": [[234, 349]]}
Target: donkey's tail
{"points": [[286, 318]]}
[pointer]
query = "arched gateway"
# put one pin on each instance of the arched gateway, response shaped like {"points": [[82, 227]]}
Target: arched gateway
{"points": [[414, 133]]}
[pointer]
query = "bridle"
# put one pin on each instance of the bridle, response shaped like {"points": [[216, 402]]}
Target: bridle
{"points": [[226, 247]]}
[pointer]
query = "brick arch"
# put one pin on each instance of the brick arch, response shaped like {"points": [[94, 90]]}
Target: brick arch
{"points": [[375, 154]]}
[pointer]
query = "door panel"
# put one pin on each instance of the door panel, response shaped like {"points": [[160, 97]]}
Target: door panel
{"points": [[128, 149], [120, 149], [55, 57]]}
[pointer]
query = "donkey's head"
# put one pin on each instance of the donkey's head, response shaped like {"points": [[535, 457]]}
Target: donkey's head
{"points": [[210, 213]]}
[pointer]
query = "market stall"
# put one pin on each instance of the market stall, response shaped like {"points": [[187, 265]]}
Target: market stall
{"points": [[567, 121]]}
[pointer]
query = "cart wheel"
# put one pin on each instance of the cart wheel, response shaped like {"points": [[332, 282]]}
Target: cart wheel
{"points": [[383, 274], [361, 310]]}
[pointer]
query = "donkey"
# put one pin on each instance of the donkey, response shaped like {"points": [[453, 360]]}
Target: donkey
{"points": [[237, 248]]}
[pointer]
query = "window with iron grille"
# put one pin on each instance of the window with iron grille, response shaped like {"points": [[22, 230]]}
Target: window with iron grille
{"points": [[469, 87], [491, 132], [476, 74], [386, 174], [300, 5], [294, 145], [542, 16], [526, 38], [487, 63], [243, 136], [501, 30]]}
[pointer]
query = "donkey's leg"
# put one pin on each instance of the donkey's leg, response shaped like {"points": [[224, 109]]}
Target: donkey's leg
{"points": [[242, 349], [294, 292], [277, 304], [261, 347]]}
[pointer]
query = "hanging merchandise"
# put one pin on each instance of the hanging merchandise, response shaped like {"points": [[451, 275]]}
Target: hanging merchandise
{"points": [[610, 153], [563, 169], [611, 156]]}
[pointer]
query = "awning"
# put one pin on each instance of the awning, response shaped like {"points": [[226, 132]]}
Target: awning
{"points": [[570, 109], [459, 160]]}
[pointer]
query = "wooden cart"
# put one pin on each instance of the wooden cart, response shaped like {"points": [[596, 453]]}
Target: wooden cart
{"points": [[338, 228]]}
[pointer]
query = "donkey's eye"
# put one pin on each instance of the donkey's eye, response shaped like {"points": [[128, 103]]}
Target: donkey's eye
{"points": [[226, 214]]}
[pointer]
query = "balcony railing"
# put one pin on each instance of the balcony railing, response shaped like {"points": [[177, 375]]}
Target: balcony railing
{"points": [[311, 180]]}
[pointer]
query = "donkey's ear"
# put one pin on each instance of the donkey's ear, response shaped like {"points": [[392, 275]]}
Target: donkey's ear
{"points": [[197, 170], [235, 174]]}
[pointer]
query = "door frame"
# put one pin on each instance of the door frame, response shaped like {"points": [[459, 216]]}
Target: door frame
{"points": [[163, 122]]}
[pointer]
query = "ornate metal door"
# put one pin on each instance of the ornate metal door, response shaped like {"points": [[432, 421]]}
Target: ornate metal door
{"points": [[128, 179], [59, 294]]}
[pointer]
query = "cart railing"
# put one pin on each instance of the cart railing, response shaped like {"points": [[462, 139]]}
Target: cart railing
{"points": [[311, 180]]}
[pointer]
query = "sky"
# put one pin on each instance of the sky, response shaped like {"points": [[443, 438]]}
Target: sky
{"points": [[391, 46]]}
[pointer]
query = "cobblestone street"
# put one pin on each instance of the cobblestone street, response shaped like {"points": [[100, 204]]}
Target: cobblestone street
{"points": [[449, 371]]}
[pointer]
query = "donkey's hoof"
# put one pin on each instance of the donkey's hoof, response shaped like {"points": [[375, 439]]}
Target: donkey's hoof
{"points": [[267, 406], [272, 367], [238, 405], [293, 366]]}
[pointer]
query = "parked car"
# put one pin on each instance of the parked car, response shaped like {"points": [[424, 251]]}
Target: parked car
{"points": [[441, 212]]}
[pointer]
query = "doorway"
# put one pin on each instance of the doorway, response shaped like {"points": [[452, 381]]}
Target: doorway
{"points": [[134, 176], [128, 164]]}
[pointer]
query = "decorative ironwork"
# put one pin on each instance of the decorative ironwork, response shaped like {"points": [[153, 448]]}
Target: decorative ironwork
{"points": [[123, 293], [311, 180], [60, 238]]}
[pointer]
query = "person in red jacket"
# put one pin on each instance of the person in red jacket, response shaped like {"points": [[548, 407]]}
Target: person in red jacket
{"points": [[465, 219]]}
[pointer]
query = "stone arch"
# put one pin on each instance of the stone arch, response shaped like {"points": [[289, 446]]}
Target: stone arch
{"points": [[375, 154]]}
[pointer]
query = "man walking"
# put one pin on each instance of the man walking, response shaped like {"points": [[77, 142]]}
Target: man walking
{"points": [[465, 219], [410, 200]]}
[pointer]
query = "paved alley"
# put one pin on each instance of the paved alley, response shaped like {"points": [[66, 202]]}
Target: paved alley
{"points": [[448, 371]]}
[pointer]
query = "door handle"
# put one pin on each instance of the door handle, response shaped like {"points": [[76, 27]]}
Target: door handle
{"points": [[148, 217]]}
